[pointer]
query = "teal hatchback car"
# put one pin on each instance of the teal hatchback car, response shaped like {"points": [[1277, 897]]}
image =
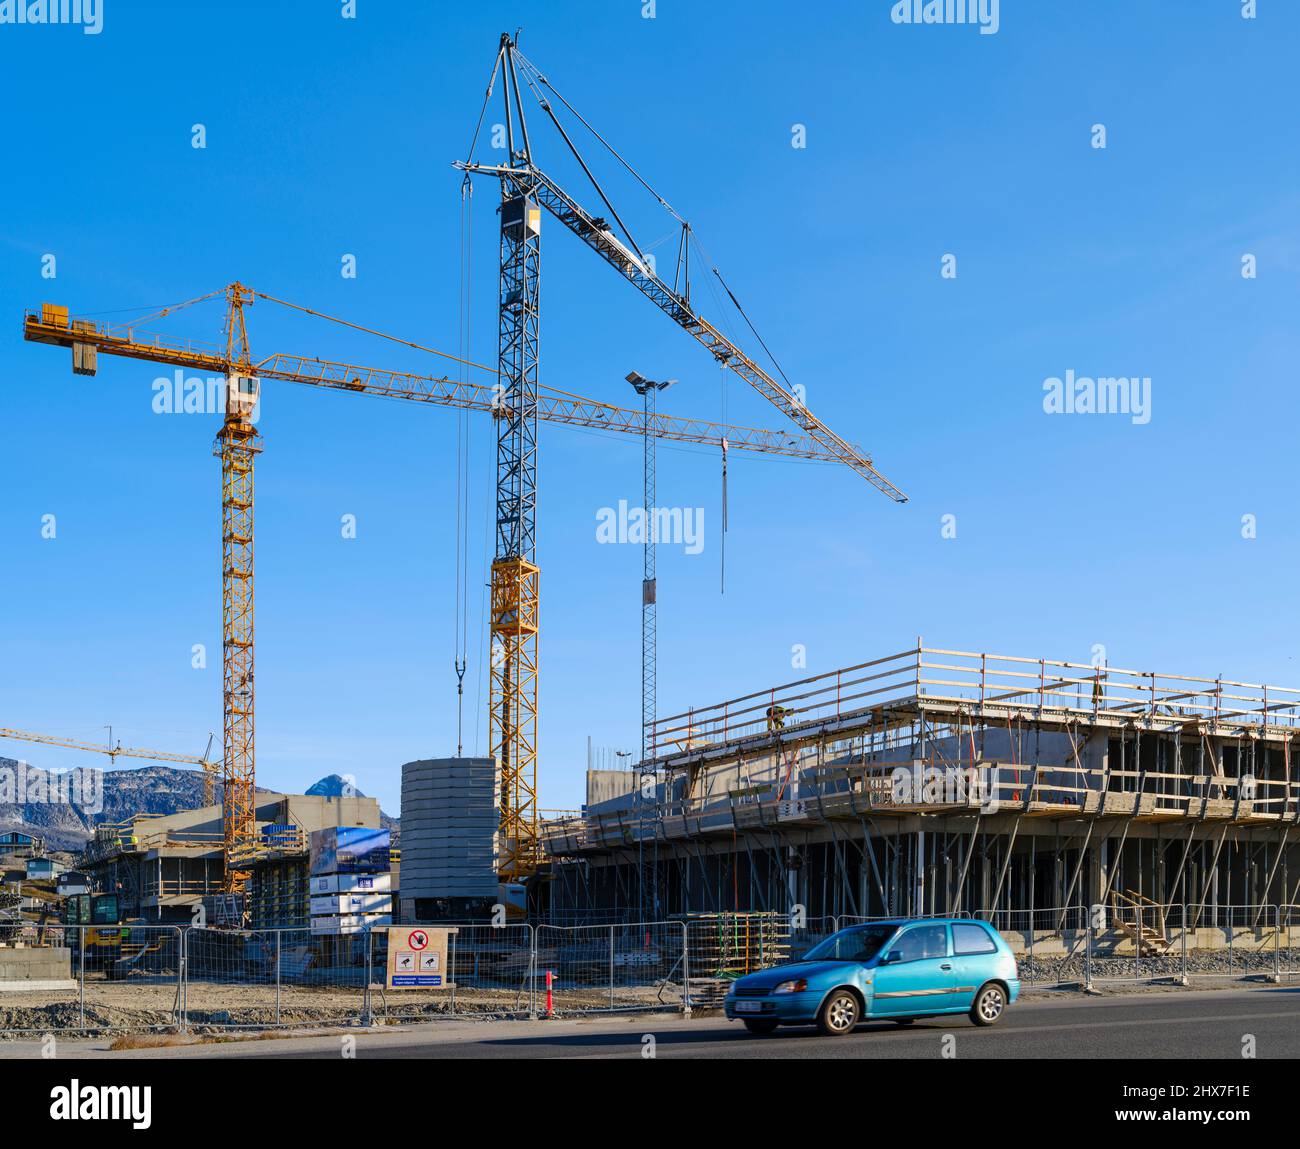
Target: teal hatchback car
{"points": [[884, 971]]}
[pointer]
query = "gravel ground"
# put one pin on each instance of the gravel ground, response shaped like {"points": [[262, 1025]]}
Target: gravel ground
{"points": [[1218, 963], [128, 1006]]}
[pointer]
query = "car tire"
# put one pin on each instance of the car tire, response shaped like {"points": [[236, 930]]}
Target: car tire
{"points": [[839, 1014], [989, 1004], [760, 1025]]}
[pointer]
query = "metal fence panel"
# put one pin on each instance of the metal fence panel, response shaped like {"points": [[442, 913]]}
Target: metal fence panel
{"points": [[282, 977], [600, 968], [1236, 941], [123, 978]]}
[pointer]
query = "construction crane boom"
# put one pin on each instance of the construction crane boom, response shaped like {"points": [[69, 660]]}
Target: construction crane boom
{"points": [[208, 767], [533, 182], [439, 391]]}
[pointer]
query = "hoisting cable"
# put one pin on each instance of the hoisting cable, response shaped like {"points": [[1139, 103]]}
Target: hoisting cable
{"points": [[752, 328], [723, 571], [531, 67], [460, 626]]}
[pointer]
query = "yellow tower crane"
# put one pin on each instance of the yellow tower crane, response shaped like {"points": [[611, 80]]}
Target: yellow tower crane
{"points": [[238, 443]]}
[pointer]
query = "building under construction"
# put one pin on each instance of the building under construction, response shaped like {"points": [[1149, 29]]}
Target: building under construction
{"points": [[942, 782]]}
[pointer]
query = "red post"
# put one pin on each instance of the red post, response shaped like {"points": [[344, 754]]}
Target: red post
{"points": [[550, 1001]]}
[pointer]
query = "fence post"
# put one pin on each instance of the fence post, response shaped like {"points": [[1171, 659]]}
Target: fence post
{"points": [[180, 979], [1031, 942], [1087, 950], [1231, 931], [81, 980], [532, 971], [611, 967], [1277, 946], [278, 935], [451, 967], [367, 1019], [1288, 935], [686, 972], [184, 975], [1184, 947]]}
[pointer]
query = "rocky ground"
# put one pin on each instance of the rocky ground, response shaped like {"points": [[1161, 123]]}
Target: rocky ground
{"points": [[1216, 963], [128, 1006]]}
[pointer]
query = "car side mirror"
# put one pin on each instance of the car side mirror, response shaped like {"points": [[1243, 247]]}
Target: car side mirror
{"points": [[890, 958]]}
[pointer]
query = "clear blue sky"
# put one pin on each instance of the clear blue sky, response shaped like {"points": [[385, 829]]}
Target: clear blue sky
{"points": [[328, 136]]}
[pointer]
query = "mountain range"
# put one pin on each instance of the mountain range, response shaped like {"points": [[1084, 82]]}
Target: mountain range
{"points": [[66, 823]]}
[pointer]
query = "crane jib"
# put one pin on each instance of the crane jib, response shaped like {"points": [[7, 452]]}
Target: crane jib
{"points": [[533, 182]]}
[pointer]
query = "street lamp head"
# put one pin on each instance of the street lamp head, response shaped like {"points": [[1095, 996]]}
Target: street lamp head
{"points": [[637, 381]]}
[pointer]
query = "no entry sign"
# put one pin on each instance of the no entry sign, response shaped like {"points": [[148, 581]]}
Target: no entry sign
{"points": [[417, 957]]}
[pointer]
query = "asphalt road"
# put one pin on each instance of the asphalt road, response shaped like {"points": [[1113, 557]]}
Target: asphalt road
{"points": [[1154, 1026]]}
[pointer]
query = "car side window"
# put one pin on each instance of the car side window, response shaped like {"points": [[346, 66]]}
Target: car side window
{"points": [[921, 942], [972, 939]]}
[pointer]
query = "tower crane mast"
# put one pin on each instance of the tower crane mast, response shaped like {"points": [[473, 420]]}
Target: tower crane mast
{"points": [[525, 190]]}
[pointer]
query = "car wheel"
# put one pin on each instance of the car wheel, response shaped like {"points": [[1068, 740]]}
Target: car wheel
{"points": [[989, 1004], [838, 1014], [759, 1025]]}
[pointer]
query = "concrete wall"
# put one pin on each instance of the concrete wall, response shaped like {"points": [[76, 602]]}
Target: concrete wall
{"points": [[311, 811], [47, 963], [605, 788]]}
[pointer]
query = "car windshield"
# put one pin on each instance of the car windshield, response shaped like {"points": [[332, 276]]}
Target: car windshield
{"points": [[858, 943]]}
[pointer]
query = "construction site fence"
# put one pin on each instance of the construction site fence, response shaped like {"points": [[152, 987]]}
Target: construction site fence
{"points": [[194, 979]]}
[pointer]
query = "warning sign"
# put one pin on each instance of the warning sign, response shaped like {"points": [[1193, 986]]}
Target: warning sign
{"points": [[417, 957]]}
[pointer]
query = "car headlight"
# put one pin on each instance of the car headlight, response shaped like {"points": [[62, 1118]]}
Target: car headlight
{"points": [[797, 986]]}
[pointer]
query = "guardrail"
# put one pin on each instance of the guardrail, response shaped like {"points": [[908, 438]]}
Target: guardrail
{"points": [[989, 682]]}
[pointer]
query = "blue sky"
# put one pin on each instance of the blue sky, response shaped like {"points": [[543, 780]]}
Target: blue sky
{"points": [[328, 136]]}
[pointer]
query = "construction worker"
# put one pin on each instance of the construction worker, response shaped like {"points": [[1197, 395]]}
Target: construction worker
{"points": [[776, 718]]}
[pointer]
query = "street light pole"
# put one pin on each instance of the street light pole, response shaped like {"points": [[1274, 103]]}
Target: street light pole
{"points": [[648, 390]]}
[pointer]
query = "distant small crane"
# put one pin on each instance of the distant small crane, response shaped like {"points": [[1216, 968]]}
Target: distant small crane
{"points": [[211, 770]]}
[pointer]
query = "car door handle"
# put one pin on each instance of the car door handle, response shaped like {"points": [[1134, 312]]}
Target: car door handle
{"points": [[946, 965]]}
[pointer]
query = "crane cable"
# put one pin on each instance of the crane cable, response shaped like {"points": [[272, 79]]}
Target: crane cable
{"points": [[541, 79], [460, 636], [371, 331]]}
